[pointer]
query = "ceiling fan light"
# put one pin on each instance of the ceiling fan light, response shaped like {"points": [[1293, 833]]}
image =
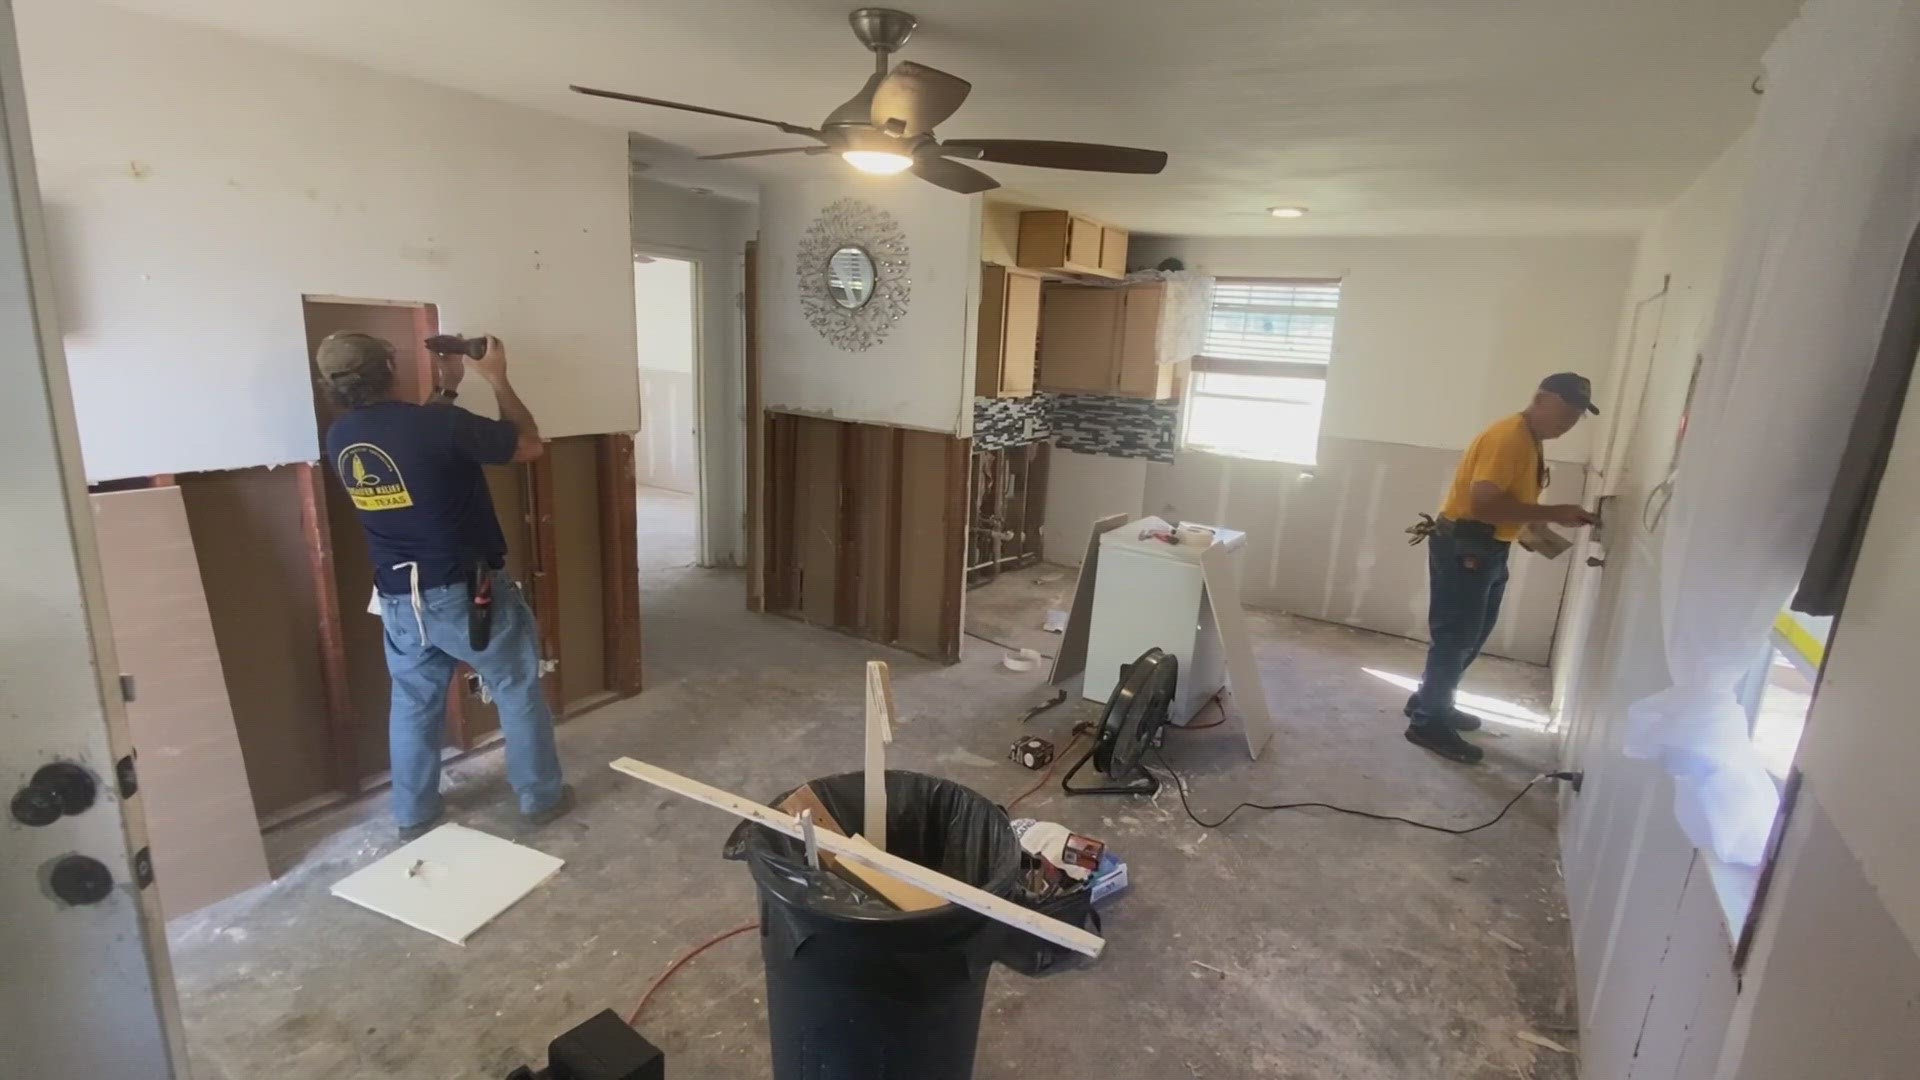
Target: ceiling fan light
{"points": [[877, 162], [1287, 211]]}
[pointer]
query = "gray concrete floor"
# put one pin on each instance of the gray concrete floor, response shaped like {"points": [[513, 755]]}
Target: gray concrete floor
{"points": [[1350, 948]]}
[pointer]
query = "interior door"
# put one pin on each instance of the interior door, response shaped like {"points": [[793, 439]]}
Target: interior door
{"points": [[89, 988]]}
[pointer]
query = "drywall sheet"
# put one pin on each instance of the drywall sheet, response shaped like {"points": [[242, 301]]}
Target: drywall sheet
{"points": [[450, 882], [199, 184], [1243, 671], [193, 781], [921, 374], [248, 538]]}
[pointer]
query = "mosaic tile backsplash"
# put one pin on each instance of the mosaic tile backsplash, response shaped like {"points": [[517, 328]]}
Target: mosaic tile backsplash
{"points": [[1115, 426], [1002, 422], [1084, 423]]}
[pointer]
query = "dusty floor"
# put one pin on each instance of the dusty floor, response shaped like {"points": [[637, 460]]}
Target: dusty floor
{"points": [[1351, 949]]}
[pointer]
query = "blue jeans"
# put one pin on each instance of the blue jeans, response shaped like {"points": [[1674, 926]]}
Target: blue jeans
{"points": [[422, 666], [1466, 580]]}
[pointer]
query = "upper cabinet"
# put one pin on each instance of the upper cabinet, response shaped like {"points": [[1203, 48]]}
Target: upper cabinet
{"points": [[1067, 243], [1104, 340], [1009, 332]]}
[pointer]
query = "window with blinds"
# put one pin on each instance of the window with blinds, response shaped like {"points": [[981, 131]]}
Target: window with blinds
{"points": [[1276, 321], [1260, 380]]}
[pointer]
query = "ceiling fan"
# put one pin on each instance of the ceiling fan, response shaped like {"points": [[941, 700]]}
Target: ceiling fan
{"points": [[887, 127]]}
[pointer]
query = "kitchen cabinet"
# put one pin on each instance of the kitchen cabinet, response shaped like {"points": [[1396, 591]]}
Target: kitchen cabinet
{"points": [[1009, 332], [1101, 340], [1064, 242]]}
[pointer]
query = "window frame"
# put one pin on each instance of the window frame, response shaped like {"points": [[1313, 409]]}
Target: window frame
{"points": [[1203, 364]]}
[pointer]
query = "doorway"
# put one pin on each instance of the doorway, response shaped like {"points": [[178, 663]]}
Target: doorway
{"points": [[667, 449]]}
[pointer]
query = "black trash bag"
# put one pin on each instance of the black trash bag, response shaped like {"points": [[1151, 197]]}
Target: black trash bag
{"points": [[1073, 905], [856, 988]]}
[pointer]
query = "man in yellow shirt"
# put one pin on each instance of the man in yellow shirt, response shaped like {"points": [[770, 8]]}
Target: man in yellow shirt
{"points": [[1495, 493]]}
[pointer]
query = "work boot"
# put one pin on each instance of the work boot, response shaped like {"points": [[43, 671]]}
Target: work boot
{"points": [[1444, 741], [410, 833], [552, 813], [1455, 719]]}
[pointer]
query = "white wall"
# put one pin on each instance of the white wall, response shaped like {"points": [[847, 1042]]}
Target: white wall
{"points": [[198, 184], [666, 452], [1436, 339], [921, 375], [713, 233]]}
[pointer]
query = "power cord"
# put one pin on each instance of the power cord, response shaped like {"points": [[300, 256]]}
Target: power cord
{"points": [[1180, 784]]}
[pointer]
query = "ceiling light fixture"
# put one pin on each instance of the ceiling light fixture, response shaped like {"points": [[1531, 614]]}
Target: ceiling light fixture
{"points": [[878, 162], [1287, 211]]}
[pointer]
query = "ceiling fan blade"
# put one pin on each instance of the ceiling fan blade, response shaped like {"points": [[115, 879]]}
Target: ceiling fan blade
{"points": [[918, 97], [792, 129], [764, 153], [1086, 157], [952, 175]]}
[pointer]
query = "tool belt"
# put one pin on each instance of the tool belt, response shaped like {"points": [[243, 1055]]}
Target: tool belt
{"points": [[1428, 525]]}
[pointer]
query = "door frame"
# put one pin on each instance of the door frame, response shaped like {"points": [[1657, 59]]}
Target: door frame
{"points": [[702, 430]]}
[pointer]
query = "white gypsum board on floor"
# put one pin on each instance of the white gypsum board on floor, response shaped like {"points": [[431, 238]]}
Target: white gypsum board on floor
{"points": [[450, 882]]}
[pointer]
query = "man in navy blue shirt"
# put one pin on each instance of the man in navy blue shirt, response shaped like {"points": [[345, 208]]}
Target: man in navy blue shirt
{"points": [[414, 473]]}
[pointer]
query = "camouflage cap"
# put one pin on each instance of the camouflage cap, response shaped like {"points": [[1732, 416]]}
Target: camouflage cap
{"points": [[348, 354]]}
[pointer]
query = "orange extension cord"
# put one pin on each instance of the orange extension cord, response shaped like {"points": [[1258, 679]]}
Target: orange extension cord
{"points": [[633, 1018]]}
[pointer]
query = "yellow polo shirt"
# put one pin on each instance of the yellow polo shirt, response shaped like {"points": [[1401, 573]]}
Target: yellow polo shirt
{"points": [[1505, 454]]}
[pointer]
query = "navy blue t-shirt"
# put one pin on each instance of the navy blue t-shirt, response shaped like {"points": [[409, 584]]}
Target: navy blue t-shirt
{"points": [[413, 473]]}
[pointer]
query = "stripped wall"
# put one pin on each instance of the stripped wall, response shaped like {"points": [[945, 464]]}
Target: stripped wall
{"points": [[1436, 339], [198, 184]]}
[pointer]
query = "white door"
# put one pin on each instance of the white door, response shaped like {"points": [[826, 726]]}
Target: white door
{"points": [[87, 990]]}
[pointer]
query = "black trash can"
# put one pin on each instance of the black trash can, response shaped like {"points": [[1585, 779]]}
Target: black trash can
{"points": [[857, 990]]}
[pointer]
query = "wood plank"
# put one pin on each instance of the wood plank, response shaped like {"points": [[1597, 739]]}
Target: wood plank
{"points": [[583, 589], [898, 893], [756, 436], [817, 519], [1072, 659], [879, 734], [782, 558], [923, 542], [620, 562], [959, 892], [875, 491], [193, 781], [545, 577], [344, 764], [1243, 673], [953, 599]]}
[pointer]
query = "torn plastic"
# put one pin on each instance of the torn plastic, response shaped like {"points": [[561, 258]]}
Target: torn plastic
{"points": [[936, 823]]}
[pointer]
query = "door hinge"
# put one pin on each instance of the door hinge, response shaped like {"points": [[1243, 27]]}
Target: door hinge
{"points": [[126, 778], [143, 867]]}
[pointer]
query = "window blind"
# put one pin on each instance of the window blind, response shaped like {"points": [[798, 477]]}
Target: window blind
{"points": [[1275, 321]]}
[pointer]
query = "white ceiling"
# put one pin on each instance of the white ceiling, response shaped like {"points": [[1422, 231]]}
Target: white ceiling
{"points": [[1384, 116]]}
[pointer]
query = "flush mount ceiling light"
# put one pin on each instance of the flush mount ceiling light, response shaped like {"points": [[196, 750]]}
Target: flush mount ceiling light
{"points": [[1287, 211]]}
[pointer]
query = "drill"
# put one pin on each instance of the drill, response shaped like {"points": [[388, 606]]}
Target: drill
{"points": [[455, 345]]}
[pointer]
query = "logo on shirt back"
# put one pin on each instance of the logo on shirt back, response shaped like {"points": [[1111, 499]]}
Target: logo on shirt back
{"points": [[372, 479]]}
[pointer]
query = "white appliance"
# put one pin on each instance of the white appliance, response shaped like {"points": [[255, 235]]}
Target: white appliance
{"points": [[1150, 594]]}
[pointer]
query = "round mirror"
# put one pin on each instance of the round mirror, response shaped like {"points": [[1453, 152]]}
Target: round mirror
{"points": [[850, 277]]}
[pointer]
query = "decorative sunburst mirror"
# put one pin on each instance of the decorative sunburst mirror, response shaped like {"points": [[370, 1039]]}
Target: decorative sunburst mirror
{"points": [[853, 266]]}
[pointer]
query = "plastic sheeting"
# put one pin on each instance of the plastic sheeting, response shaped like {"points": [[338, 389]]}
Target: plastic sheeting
{"points": [[1831, 200], [1184, 309]]}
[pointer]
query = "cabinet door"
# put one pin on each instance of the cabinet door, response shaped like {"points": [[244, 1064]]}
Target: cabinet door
{"points": [[1022, 335], [1139, 372], [1079, 336], [1083, 244], [990, 348], [1113, 251]]}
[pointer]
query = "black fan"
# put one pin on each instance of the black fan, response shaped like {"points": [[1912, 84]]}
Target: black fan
{"points": [[1136, 715]]}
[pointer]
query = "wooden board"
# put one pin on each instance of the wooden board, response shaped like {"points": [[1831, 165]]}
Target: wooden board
{"points": [[1243, 673], [450, 882], [898, 893], [1072, 658], [582, 585], [818, 518], [933, 881], [193, 780], [756, 436], [249, 542], [879, 734], [620, 562]]}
